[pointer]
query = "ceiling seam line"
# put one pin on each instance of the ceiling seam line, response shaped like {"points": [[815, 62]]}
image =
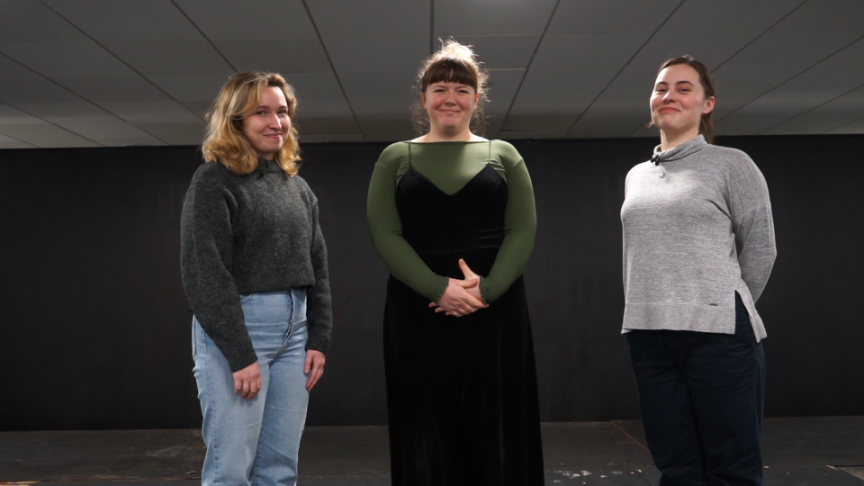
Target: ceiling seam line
{"points": [[332, 67], [125, 64], [829, 56], [15, 138], [623, 68], [759, 36], [811, 109], [528, 66], [62, 87], [109, 51], [843, 125], [173, 2]]}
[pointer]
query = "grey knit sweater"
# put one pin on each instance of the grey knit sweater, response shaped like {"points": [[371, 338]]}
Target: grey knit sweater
{"points": [[243, 234], [697, 228]]}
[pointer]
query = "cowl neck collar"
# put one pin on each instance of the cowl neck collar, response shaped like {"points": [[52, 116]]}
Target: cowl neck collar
{"points": [[687, 148]]}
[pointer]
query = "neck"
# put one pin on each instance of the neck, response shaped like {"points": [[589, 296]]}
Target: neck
{"points": [[438, 134], [670, 139]]}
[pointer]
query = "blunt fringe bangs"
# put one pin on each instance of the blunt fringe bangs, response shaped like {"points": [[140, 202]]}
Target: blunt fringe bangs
{"points": [[224, 141]]}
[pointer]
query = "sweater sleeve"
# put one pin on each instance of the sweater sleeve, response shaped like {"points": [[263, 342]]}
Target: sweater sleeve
{"points": [[520, 226], [385, 227], [206, 240], [753, 224], [319, 313]]}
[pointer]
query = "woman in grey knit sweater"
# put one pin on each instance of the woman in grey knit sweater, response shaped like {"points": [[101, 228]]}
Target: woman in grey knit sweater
{"points": [[698, 250], [254, 268]]}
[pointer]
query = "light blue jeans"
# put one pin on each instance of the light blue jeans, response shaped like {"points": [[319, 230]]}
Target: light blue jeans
{"points": [[255, 442]]}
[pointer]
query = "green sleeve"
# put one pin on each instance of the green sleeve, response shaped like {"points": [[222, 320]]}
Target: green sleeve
{"points": [[520, 226], [386, 229]]}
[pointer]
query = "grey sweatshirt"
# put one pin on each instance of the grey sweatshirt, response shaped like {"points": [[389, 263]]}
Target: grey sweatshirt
{"points": [[242, 234], [697, 228]]}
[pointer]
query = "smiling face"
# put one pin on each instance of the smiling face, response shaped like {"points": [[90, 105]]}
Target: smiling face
{"points": [[267, 127], [450, 106], [678, 101]]}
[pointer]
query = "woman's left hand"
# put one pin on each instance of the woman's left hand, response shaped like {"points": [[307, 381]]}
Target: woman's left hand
{"points": [[314, 367]]}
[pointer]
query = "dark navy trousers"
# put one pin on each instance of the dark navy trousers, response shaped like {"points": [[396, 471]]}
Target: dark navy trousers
{"points": [[701, 396]]}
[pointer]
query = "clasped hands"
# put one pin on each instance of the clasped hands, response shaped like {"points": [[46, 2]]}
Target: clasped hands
{"points": [[462, 297]]}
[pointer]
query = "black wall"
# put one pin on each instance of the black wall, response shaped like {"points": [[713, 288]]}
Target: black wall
{"points": [[95, 333]]}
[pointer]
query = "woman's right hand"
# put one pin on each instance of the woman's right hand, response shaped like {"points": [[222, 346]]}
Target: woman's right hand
{"points": [[247, 382], [456, 300]]}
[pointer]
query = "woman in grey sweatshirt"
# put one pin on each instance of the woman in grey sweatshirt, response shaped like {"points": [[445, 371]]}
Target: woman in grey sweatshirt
{"points": [[698, 250]]}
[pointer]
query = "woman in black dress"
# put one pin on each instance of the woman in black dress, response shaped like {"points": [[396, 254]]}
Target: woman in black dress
{"points": [[459, 359]]}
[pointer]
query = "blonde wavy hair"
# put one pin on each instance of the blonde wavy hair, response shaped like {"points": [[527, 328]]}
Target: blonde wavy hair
{"points": [[456, 63], [225, 142]]}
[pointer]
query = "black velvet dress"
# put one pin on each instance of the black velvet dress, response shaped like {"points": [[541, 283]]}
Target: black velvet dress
{"points": [[461, 391]]}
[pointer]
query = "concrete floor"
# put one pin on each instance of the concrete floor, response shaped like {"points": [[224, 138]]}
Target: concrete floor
{"points": [[816, 451]]}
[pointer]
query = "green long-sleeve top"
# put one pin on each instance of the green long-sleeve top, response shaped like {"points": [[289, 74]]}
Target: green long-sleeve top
{"points": [[450, 166]]}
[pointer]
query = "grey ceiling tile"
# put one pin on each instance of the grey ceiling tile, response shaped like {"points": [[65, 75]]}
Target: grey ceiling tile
{"points": [[106, 131], [784, 47], [309, 108], [733, 14], [568, 80], [828, 116], [46, 136], [753, 79], [28, 20], [711, 47], [337, 18], [14, 144], [331, 137], [171, 57], [67, 59], [729, 102], [502, 51], [175, 133], [570, 105], [314, 85], [612, 124], [386, 129], [538, 123], [380, 84], [382, 107], [503, 85], [199, 108], [149, 112], [377, 54], [644, 131], [575, 16], [12, 116], [68, 112], [119, 89], [459, 18], [754, 121], [333, 126], [112, 20], [826, 14], [580, 51], [191, 87], [20, 85], [131, 142], [276, 55], [249, 19], [856, 126]]}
